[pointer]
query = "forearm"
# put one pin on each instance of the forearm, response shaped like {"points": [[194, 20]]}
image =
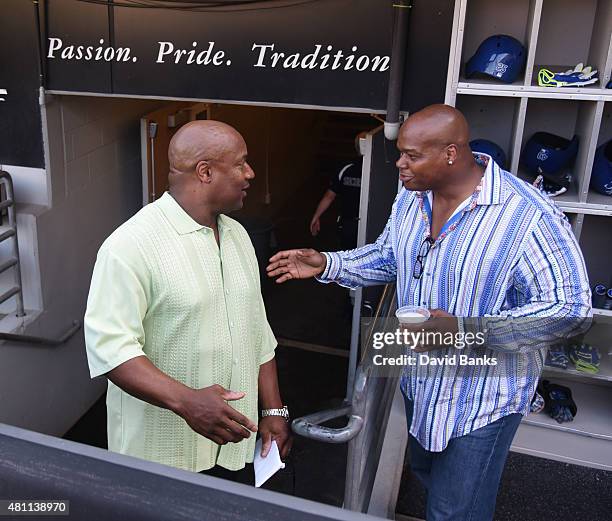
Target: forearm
{"points": [[506, 332], [140, 378], [269, 394], [365, 266], [557, 300], [324, 204]]}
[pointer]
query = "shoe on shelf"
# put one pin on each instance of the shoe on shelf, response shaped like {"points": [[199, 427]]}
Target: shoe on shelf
{"points": [[579, 76], [585, 357]]}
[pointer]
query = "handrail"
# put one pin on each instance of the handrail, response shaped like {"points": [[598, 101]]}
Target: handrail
{"points": [[311, 427], [30, 339], [9, 205]]}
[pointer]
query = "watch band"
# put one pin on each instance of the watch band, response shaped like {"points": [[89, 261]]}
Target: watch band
{"points": [[284, 412]]}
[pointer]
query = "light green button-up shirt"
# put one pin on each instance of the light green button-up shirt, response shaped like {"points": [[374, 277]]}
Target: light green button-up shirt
{"points": [[164, 289]]}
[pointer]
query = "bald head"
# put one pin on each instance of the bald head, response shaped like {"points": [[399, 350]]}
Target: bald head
{"points": [[437, 125], [200, 141], [435, 152]]}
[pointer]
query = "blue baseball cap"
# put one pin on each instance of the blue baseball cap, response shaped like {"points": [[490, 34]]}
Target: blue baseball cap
{"points": [[488, 147], [601, 175], [500, 56]]}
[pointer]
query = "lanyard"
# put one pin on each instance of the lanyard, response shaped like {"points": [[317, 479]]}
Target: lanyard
{"points": [[453, 222]]}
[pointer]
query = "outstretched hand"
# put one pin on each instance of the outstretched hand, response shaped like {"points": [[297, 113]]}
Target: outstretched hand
{"points": [[296, 264]]}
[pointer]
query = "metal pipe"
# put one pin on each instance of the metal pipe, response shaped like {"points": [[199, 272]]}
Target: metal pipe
{"points": [[396, 72], [42, 64], [309, 426], [152, 128]]}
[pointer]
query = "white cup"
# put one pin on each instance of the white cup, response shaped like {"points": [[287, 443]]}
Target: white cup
{"points": [[412, 314]]}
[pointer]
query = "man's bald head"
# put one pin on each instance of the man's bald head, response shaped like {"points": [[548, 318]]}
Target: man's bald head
{"points": [[200, 141], [209, 171], [435, 152], [437, 125]]}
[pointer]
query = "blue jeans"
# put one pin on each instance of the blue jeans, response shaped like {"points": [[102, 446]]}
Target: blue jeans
{"points": [[463, 479]]}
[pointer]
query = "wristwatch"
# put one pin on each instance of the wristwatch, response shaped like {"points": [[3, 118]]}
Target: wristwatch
{"points": [[284, 412]]}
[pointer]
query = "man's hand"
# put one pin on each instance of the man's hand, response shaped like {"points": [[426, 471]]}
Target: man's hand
{"points": [[315, 226], [296, 264], [275, 428], [206, 412], [440, 321]]}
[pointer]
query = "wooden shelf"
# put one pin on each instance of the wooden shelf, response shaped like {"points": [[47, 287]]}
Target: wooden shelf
{"points": [[604, 374], [594, 416], [485, 87], [602, 313], [585, 441], [563, 446], [598, 200]]}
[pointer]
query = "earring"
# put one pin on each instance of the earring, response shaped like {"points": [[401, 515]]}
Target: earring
{"points": [[450, 161]]}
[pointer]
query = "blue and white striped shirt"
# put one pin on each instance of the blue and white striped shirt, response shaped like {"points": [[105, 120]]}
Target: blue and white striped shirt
{"points": [[513, 255]]}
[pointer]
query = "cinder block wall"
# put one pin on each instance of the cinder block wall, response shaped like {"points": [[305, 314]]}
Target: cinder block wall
{"points": [[92, 155]]}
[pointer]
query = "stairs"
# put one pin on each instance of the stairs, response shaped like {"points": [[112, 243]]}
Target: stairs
{"points": [[8, 232]]}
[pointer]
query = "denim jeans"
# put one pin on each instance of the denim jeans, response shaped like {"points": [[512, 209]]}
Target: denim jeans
{"points": [[463, 479]]}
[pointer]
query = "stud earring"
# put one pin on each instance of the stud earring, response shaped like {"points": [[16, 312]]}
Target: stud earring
{"points": [[450, 162]]}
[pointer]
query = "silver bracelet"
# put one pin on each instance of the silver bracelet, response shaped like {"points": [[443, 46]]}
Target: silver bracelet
{"points": [[284, 412]]}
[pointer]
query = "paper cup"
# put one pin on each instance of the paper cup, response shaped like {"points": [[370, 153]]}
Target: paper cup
{"points": [[412, 314]]}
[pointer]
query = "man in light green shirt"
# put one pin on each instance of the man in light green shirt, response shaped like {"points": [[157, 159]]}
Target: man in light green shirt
{"points": [[176, 321]]}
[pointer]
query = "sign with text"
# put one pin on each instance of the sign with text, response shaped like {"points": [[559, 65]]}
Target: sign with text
{"points": [[330, 53]]}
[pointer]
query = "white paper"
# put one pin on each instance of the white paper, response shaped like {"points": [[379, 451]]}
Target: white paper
{"points": [[266, 467]]}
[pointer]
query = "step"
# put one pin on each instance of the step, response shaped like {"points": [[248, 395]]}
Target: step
{"points": [[6, 232], [8, 294], [8, 264], [6, 203]]}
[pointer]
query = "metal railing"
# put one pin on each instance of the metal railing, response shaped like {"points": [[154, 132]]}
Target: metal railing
{"points": [[8, 231], [367, 412]]}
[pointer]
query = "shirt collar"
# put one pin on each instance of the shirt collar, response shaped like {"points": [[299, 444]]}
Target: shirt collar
{"points": [[492, 191], [181, 221], [492, 188]]}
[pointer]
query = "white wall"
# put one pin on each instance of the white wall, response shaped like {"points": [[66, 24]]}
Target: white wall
{"points": [[30, 184], [93, 184]]}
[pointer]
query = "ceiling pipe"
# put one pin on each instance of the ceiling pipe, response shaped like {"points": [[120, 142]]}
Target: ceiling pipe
{"points": [[396, 72]]}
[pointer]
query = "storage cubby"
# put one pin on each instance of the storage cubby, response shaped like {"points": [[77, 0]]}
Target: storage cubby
{"points": [[558, 33], [486, 18], [605, 135], [492, 119], [571, 32], [596, 245], [564, 118]]}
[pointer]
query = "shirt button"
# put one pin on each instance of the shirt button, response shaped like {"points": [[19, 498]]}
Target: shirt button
{"points": [[235, 361], [231, 324], [227, 291]]}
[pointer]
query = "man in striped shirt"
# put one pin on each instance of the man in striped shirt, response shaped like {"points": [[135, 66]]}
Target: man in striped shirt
{"points": [[465, 239]]}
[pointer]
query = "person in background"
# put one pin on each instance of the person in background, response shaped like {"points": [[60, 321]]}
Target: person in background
{"points": [[347, 186]]}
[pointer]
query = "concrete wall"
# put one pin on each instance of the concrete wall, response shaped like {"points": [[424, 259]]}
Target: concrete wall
{"points": [[93, 180]]}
